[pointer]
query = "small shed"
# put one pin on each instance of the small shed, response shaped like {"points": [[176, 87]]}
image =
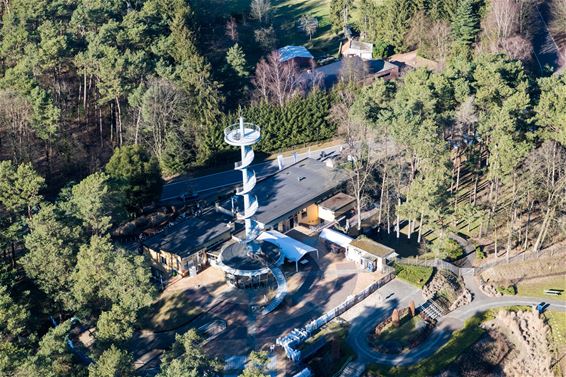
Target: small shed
{"points": [[354, 47], [369, 254], [298, 54], [333, 208]]}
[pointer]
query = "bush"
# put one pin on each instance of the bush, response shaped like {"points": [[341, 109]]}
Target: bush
{"points": [[480, 254], [447, 248], [416, 275], [510, 290], [302, 120]]}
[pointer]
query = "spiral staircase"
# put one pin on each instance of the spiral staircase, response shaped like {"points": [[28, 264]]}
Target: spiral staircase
{"points": [[245, 135]]}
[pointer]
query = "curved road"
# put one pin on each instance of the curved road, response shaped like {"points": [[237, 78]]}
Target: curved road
{"points": [[357, 337]]}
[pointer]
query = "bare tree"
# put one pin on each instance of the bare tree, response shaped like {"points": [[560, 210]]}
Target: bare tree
{"points": [[547, 170], [432, 38], [265, 37], [308, 24], [260, 9], [558, 25], [16, 129], [360, 138], [353, 69], [162, 111], [507, 28], [232, 29], [276, 81]]}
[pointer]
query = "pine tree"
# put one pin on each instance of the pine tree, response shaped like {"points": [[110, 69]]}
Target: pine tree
{"points": [[466, 24], [339, 14], [237, 60]]}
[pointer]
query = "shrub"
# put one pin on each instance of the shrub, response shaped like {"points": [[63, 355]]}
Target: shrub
{"points": [[510, 290], [416, 275], [447, 248], [480, 254]]}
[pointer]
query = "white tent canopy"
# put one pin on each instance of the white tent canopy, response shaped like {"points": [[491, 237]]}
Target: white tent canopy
{"points": [[338, 238], [292, 249]]}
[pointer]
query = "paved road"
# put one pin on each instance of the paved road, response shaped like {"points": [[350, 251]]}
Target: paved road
{"points": [[357, 337], [183, 185]]}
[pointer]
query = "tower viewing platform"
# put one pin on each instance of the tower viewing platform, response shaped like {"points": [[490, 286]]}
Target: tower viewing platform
{"points": [[242, 134]]}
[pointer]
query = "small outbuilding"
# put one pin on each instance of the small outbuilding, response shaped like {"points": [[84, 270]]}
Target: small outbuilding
{"points": [[335, 207], [354, 47], [298, 54], [369, 254]]}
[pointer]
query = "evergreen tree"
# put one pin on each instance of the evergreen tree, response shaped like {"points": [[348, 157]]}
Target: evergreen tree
{"points": [[340, 14], [53, 357], [136, 175], [52, 246], [187, 358], [113, 362], [94, 203], [466, 23], [237, 60], [550, 114]]}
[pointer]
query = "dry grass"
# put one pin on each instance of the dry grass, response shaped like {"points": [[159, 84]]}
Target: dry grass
{"points": [[536, 287], [516, 272]]}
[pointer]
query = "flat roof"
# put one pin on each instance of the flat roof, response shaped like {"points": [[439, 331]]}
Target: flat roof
{"points": [[294, 188], [337, 202], [362, 46], [331, 72], [372, 247], [189, 236]]}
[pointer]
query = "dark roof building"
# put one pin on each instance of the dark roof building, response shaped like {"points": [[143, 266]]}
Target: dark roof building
{"points": [[192, 235], [330, 74], [295, 187]]}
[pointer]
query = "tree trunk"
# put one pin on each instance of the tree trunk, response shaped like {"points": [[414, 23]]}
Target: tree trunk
{"points": [[543, 230], [119, 121], [383, 182], [420, 228], [526, 243], [397, 213]]}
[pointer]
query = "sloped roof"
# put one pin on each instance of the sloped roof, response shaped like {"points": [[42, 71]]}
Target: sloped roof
{"points": [[191, 235], [293, 249], [370, 246], [292, 52], [412, 59]]}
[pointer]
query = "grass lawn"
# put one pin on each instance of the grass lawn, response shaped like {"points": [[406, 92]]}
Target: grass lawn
{"points": [[416, 275], [212, 16], [334, 328], [401, 334], [536, 287], [557, 321], [169, 313], [441, 359]]}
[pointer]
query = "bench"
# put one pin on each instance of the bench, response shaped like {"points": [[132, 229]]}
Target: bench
{"points": [[552, 292]]}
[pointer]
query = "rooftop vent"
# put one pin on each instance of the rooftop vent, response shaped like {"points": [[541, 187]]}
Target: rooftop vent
{"points": [[300, 178]]}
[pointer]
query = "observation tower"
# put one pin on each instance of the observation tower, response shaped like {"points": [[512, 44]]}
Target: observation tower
{"points": [[249, 262]]}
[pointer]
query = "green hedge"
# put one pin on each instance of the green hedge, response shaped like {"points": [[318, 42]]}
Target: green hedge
{"points": [[302, 120], [416, 275]]}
